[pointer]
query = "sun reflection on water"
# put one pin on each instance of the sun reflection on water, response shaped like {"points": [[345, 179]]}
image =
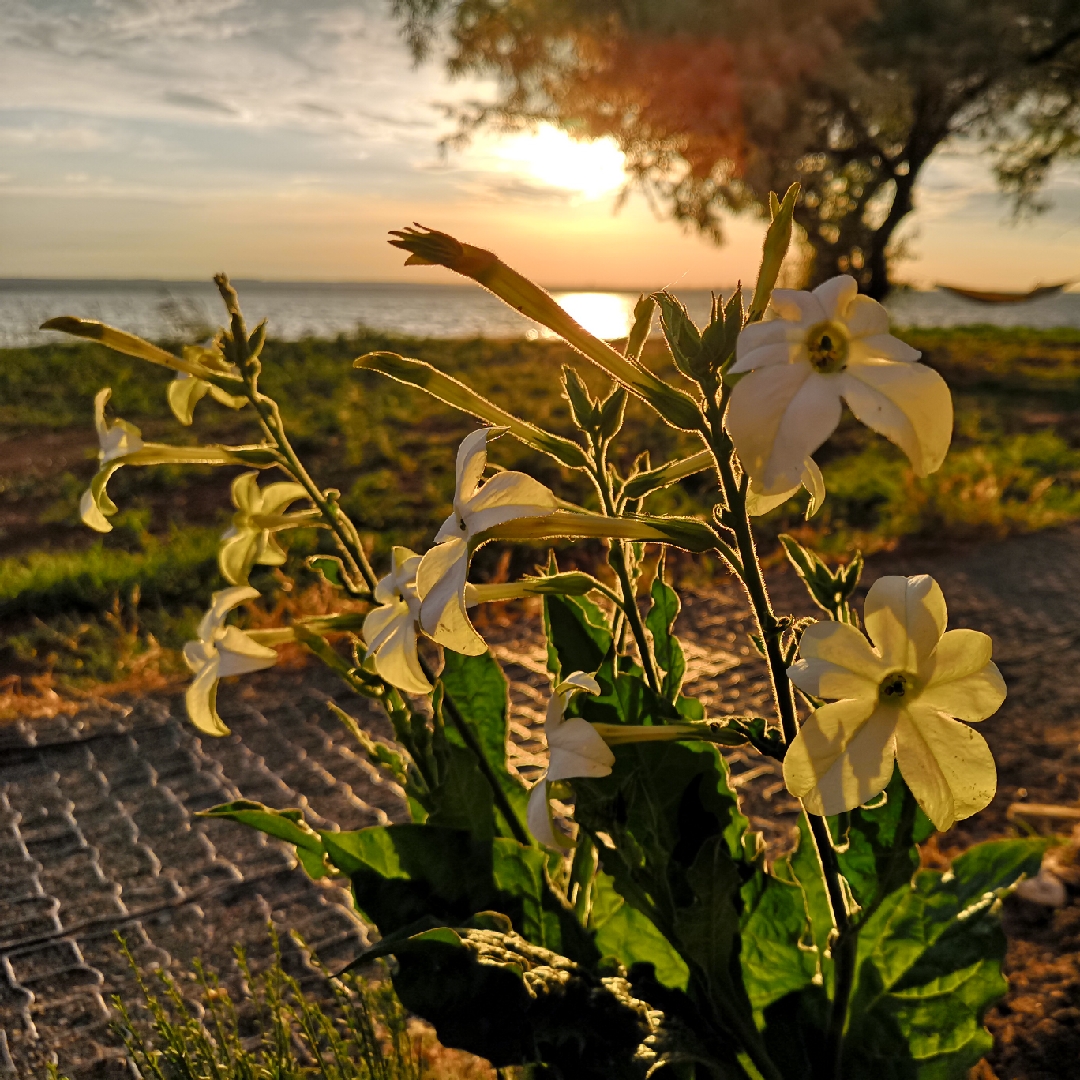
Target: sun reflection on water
{"points": [[607, 315]]}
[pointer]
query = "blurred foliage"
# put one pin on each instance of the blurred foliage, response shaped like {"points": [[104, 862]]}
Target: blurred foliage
{"points": [[1014, 467], [716, 104]]}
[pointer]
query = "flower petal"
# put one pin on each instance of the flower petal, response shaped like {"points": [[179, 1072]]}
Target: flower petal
{"points": [[538, 816], [575, 681], [221, 603], [840, 645], [758, 504], [440, 580], [947, 765], [836, 295], [575, 748], [245, 493], [276, 497], [881, 347], [506, 496], [814, 483], [201, 700], [842, 756], [960, 679], [905, 618], [909, 404], [865, 317], [797, 306], [239, 655], [237, 554], [778, 417], [471, 462], [395, 655], [761, 344]]}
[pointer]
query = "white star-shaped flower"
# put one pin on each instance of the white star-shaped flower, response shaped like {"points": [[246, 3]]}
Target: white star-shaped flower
{"points": [[390, 629], [575, 748], [218, 652], [478, 506], [823, 347], [896, 699]]}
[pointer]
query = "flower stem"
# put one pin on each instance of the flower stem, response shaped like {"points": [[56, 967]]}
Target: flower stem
{"points": [[770, 629]]}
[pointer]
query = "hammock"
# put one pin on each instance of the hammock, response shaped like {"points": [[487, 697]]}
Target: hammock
{"points": [[984, 297]]}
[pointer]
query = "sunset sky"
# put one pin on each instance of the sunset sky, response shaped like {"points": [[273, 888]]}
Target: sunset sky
{"points": [[281, 140]]}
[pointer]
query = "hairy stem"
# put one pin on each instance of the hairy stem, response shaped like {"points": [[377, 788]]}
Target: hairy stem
{"points": [[770, 629]]}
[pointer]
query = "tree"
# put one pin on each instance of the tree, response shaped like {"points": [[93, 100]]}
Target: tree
{"points": [[717, 102]]}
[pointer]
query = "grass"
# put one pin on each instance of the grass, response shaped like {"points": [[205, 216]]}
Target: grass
{"points": [[355, 1029], [1014, 467]]}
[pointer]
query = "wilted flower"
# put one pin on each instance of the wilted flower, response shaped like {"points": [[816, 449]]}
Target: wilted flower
{"points": [[390, 630], [575, 748], [824, 346], [896, 700], [260, 512], [220, 651], [478, 506]]}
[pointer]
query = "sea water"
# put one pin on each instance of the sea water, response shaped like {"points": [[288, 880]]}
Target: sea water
{"points": [[171, 310]]}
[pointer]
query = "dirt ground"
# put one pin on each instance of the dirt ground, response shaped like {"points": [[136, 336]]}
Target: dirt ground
{"points": [[97, 827]]}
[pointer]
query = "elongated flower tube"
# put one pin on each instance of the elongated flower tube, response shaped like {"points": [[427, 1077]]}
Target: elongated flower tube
{"points": [[260, 513], [896, 699], [218, 652], [390, 629], [478, 507], [121, 444], [823, 347], [574, 749], [427, 247], [812, 480]]}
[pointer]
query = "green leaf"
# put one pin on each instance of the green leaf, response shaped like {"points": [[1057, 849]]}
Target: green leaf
{"points": [[660, 621], [929, 966], [777, 958], [402, 874], [479, 691], [626, 934], [577, 633], [683, 337], [287, 825]]}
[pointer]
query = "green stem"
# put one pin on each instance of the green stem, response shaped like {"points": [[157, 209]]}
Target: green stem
{"points": [[619, 563], [738, 521]]}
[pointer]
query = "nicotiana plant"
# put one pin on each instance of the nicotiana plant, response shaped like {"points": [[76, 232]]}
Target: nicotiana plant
{"points": [[618, 917]]}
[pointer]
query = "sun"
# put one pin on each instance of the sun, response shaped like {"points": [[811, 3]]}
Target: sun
{"points": [[591, 168]]}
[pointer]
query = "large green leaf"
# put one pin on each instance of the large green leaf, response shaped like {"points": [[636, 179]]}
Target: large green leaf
{"points": [[929, 965], [626, 934], [477, 688]]}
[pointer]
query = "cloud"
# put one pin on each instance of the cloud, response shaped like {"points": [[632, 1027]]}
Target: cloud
{"points": [[199, 102]]}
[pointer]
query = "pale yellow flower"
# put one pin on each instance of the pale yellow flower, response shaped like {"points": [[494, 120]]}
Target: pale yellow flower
{"points": [[390, 629], [823, 347], [478, 506], [575, 748], [896, 700], [121, 443], [260, 513], [218, 652]]}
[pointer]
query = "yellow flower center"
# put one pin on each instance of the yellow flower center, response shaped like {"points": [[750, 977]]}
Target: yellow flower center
{"points": [[827, 347], [895, 687]]}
